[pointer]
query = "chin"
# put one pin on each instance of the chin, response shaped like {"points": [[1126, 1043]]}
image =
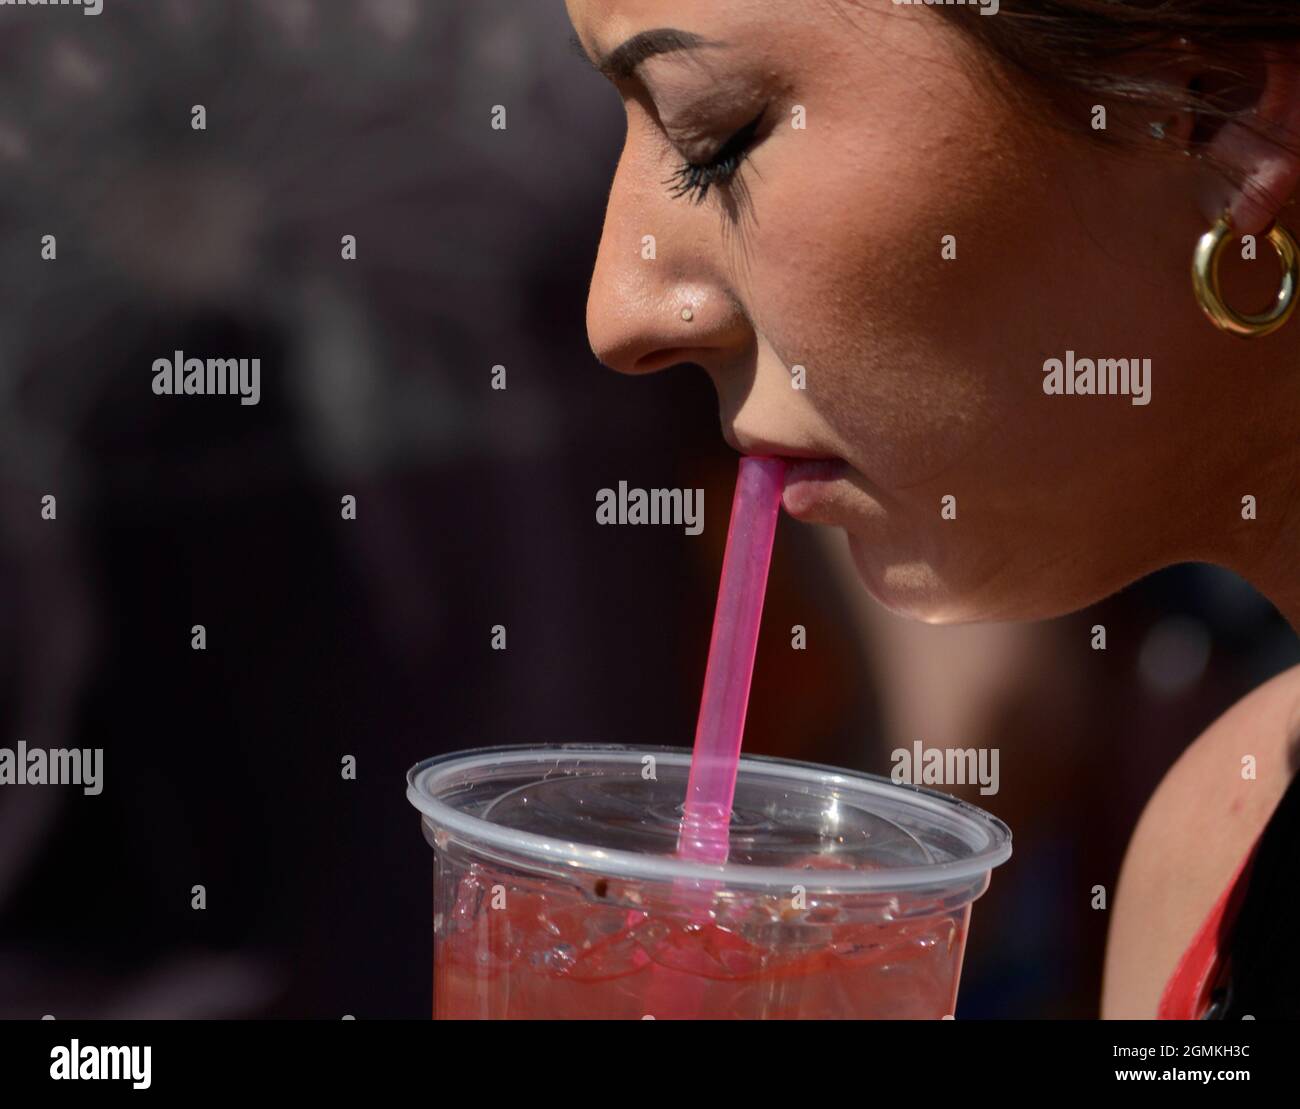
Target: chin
{"points": [[918, 591], [910, 589]]}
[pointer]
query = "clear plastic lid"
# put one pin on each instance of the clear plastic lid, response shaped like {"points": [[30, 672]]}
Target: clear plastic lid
{"points": [[615, 810]]}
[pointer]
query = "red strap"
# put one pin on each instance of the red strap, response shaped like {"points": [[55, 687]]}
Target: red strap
{"points": [[1187, 993]]}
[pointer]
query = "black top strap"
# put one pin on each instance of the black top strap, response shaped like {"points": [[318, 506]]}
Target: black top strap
{"points": [[1264, 950]]}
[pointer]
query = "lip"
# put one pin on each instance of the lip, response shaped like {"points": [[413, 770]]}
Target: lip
{"points": [[776, 450], [808, 475], [823, 468], [808, 482]]}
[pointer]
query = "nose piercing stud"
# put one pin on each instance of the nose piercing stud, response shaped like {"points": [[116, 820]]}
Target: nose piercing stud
{"points": [[687, 315]]}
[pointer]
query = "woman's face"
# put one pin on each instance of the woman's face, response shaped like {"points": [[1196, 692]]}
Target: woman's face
{"points": [[923, 372]]}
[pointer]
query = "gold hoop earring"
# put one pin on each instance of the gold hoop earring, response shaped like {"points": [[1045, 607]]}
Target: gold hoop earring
{"points": [[1205, 282]]}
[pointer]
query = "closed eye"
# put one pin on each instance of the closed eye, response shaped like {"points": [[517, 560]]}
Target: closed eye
{"points": [[694, 179]]}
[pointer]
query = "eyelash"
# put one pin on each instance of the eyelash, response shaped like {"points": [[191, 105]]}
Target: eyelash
{"points": [[694, 179]]}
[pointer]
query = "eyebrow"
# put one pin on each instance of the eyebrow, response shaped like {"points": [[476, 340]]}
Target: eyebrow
{"points": [[622, 62]]}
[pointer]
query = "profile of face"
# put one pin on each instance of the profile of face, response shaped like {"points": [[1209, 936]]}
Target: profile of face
{"points": [[881, 246]]}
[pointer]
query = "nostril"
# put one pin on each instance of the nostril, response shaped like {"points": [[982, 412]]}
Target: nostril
{"points": [[639, 354], [643, 334], [663, 359]]}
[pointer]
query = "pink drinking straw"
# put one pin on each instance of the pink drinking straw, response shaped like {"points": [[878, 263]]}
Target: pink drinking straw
{"points": [[706, 815]]}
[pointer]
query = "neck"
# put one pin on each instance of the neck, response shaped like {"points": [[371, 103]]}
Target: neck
{"points": [[1264, 549]]}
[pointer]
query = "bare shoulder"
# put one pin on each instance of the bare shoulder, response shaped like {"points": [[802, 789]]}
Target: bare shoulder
{"points": [[1194, 832]]}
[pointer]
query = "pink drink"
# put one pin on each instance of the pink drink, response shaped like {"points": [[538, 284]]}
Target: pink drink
{"points": [[559, 895], [559, 953]]}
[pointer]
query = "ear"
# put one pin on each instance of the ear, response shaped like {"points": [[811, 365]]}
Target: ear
{"points": [[1262, 146]]}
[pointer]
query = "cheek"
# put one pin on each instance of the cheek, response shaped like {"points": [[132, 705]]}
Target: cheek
{"points": [[907, 352]]}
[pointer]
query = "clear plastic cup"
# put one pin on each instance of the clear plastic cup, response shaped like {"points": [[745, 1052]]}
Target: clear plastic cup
{"points": [[557, 893]]}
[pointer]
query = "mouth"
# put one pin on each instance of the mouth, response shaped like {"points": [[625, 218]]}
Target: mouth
{"points": [[809, 474], [809, 481]]}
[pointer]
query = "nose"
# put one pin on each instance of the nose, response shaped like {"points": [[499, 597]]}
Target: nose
{"points": [[660, 292]]}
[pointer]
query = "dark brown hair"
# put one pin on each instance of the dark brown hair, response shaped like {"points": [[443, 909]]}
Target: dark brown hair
{"points": [[1068, 49]]}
